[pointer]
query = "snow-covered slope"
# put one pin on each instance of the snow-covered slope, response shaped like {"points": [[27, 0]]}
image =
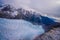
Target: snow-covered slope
{"points": [[7, 11]]}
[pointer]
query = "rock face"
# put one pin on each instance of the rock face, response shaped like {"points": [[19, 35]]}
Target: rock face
{"points": [[54, 34]]}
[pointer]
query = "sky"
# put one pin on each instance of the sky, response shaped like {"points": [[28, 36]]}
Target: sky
{"points": [[46, 7], [51, 7]]}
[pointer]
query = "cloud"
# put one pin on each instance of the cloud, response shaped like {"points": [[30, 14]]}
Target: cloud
{"points": [[23, 3], [16, 3], [49, 7]]}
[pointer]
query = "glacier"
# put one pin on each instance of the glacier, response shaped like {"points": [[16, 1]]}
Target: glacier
{"points": [[19, 29]]}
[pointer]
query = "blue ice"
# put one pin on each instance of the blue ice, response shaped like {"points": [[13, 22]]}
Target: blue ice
{"points": [[19, 29]]}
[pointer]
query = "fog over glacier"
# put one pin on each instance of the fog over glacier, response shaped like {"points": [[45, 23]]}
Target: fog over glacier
{"points": [[18, 29]]}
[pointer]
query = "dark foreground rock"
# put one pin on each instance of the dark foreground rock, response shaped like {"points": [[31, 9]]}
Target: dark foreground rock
{"points": [[53, 34]]}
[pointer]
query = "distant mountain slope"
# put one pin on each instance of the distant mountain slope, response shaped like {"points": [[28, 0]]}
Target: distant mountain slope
{"points": [[10, 12]]}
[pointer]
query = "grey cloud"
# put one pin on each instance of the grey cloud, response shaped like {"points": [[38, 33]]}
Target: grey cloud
{"points": [[49, 7]]}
